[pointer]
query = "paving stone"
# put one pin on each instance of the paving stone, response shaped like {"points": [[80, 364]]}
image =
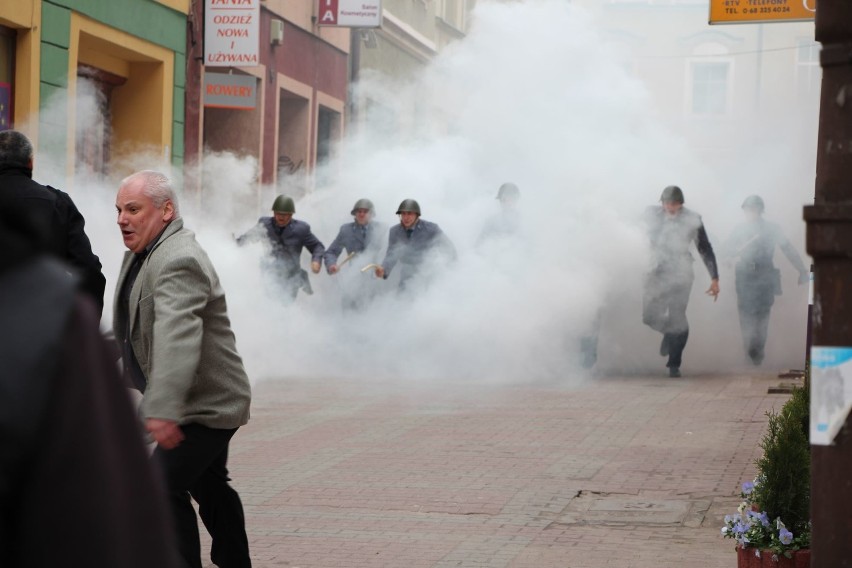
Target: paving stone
{"points": [[626, 472]]}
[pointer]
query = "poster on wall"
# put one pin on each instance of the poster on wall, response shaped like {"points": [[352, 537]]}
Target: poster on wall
{"points": [[350, 13], [831, 392], [5, 106], [231, 33]]}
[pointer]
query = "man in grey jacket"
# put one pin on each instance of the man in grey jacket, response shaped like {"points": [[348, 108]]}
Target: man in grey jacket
{"points": [[179, 351]]}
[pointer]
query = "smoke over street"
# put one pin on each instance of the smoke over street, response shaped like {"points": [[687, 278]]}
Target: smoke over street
{"points": [[557, 113]]}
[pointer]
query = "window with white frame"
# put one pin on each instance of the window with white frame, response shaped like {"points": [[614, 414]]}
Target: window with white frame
{"points": [[808, 71], [709, 81]]}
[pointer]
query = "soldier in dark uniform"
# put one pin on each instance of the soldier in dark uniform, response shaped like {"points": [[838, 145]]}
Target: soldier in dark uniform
{"points": [[362, 238], [672, 228], [412, 243], [51, 212], [286, 237], [753, 244]]}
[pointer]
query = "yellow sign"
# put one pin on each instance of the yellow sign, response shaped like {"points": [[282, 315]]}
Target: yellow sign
{"points": [[755, 11]]}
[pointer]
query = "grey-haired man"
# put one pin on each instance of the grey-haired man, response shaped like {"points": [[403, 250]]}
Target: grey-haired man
{"points": [[179, 350]]}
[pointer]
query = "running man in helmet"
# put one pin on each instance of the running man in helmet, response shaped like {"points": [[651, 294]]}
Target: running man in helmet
{"points": [[752, 244], [363, 238], [286, 238], [413, 243], [672, 228], [506, 223]]}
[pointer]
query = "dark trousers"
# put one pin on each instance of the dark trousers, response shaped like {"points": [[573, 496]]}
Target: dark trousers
{"points": [[754, 326], [664, 310], [755, 296], [198, 468], [589, 343]]}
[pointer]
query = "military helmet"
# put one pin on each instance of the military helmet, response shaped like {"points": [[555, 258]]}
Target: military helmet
{"points": [[672, 193], [283, 204], [363, 204], [754, 202], [508, 191], [408, 206]]}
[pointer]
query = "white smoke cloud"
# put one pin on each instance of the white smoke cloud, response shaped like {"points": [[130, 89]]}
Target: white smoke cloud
{"points": [[553, 111]]}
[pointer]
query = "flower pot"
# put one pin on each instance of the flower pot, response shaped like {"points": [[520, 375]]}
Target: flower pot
{"points": [[746, 558]]}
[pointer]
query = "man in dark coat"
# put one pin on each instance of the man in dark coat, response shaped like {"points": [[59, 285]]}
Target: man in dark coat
{"points": [[362, 238], [757, 280], [72, 455], [413, 243], [51, 211], [672, 228], [286, 238]]}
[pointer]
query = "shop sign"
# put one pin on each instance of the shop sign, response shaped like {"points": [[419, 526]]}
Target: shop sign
{"points": [[756, 11], [231, 33], [223, 90], [350, 13]]}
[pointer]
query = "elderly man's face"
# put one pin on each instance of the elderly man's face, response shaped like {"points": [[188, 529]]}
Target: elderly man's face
{"points": [[139, 220]]}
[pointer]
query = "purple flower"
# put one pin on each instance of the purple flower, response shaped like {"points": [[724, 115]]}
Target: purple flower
{"points": [[785, 536], [764, 519], [748, 487]]}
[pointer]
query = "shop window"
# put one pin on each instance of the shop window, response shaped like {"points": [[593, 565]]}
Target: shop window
{"points": [[294, 120], [328, 132], [93, 118], [7, 76], [328, 127]]}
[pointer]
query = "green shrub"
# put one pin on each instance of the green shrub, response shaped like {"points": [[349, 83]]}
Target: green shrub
{"points": [[784, 470]]}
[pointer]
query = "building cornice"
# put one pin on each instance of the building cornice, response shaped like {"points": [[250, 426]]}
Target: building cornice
{"points": [[406, 37]]}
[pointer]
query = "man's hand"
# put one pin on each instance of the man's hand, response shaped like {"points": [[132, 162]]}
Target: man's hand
{"points": [[713, 290], [332, 269], [315, 267], [380, 272], [166, 433]]}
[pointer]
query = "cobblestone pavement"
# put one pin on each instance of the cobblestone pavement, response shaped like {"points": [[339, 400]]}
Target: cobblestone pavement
{"points": [[612, 472]]}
